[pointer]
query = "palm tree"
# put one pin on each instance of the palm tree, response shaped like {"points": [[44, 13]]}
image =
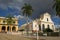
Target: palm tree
{"points": [[9, 20], [27, 11], [57, 7]]}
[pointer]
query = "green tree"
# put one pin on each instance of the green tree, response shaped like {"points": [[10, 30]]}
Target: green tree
{"points": [[9, 20], [27, 11], [22, 30], [57, 7]]}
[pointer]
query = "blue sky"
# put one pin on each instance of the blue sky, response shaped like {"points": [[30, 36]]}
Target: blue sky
{"points": [[39, 6]]}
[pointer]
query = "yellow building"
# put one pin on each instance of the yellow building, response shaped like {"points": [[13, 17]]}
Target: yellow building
{"points": [[4, 27]]}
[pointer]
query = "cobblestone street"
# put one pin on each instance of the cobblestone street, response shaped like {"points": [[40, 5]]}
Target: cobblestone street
{"points": [[4, 36]]}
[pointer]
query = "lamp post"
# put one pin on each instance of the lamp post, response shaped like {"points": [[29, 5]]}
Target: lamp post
{"points": [[35, 27], [37, 33]]}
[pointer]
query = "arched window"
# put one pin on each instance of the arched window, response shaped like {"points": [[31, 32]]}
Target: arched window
{"points": [[13, 22], [39, 27], [43, 27], [4, 21], [47, 19]]}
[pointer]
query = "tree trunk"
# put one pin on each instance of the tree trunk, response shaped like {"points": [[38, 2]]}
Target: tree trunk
{"points": [[27, 27]]}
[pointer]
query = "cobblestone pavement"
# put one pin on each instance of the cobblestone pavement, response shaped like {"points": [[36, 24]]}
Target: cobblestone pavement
{"points": [[4, 36]]}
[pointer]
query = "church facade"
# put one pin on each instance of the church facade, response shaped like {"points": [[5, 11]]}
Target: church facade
{"points": [[43, 22], [4, 27], [40, 24]]}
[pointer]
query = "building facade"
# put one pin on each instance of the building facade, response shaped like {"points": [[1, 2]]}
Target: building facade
{"points": [[43, 22], [40, 24], [4, 27]]}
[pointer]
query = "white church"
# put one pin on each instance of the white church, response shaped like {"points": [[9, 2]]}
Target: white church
{"points": [[43, 22], [40, 24]]}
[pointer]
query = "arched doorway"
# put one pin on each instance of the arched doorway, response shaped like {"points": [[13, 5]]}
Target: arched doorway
{"points": [[8, 28], [39, 27], [43, 27], [48, 26], [3, 28], [13, 28]]}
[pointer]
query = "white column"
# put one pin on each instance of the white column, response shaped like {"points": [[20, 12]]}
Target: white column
{"points": [[11, 28], [6, 29], [41, 28]]}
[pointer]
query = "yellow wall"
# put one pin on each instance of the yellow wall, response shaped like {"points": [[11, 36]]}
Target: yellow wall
{"points": [[5, 29]]}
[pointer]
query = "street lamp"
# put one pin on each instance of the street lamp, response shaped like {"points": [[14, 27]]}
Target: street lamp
{"points": [[35, 27], [37, 32]]}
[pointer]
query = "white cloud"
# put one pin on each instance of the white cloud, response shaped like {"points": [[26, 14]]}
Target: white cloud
{"points": [[19, 17]]}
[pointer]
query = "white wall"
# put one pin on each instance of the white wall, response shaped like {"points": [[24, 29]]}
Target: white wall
{"points": [[35, 25], [45, 22], [49, 22]]}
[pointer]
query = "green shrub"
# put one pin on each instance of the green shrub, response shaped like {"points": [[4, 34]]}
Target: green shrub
{"points": [[47, 30]]}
